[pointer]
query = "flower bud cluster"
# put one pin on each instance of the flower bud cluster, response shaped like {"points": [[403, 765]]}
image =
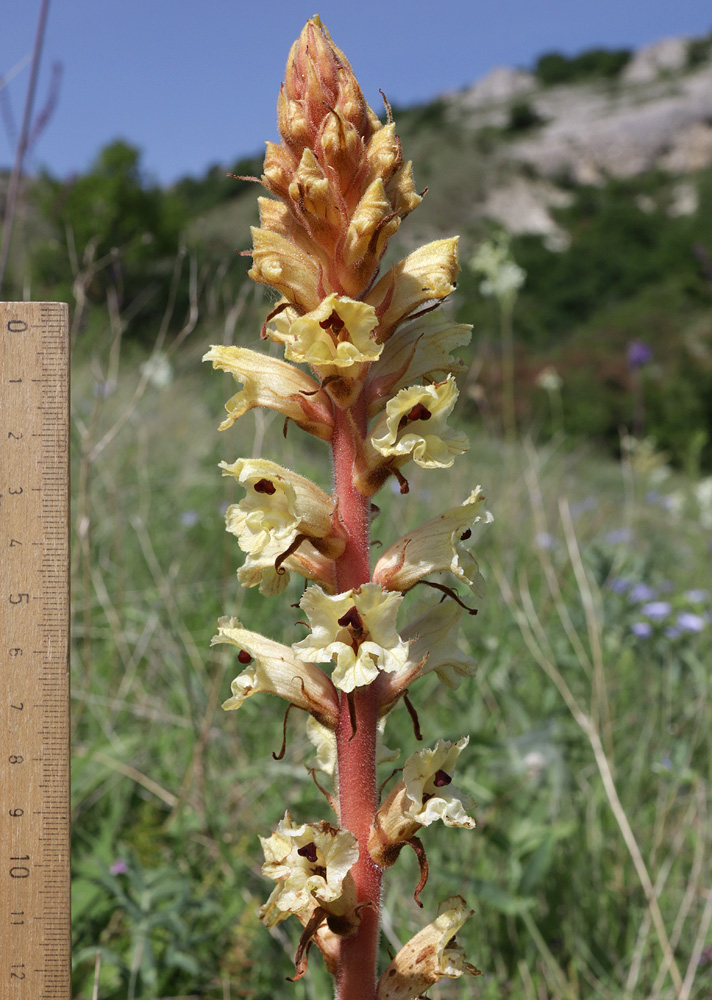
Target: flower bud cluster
{"points": [[367, 368]]}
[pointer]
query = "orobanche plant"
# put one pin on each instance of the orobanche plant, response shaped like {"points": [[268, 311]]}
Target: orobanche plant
{"points": [[368, 369]]}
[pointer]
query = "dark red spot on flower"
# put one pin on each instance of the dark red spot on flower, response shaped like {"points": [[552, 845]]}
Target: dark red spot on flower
{"points": [[265, 486], [244, 657], [441, 778], [308, 852], [465, 535], [419, 412], [352, 619]]}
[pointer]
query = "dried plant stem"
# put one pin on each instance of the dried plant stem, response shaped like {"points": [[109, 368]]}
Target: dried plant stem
{"points": [[357, 750], [529, 624], [22, 143]]}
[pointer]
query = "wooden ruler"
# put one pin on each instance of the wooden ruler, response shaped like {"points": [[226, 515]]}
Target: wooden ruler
{"points": [[34, 651]]}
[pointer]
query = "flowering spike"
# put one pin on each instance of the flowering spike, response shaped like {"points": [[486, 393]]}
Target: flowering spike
{"points": [[368, 366]]}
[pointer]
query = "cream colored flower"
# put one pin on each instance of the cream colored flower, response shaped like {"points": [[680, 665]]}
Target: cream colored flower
{"points": [[415, 426], [283, 264], [429, 956], [429, 792], [310, 862], [337, 334], [425, 794], [433, 636], [280, 505], [272, 667], [437, 545], [357, 629], [420, 279], [270, 570], [274, 384], [418, 350]]}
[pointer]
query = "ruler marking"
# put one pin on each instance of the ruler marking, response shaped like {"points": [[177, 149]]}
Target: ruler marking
{"points": [[34, 426]]}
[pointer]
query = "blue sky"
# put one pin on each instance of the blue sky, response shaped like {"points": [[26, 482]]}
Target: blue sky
{"points": [[195, 83]]}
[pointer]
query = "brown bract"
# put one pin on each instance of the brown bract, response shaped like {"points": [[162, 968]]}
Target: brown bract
{"points": [[339, 174]]}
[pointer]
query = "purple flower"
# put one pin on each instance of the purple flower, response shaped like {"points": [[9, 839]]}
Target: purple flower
{"points": [[642, 592], [690, 622], [189, 517], [583, 505], [119, 867], [697, 596], [619, 536], [639, 354], [544, 540], [618, 584], [642, 629], [656, 609]]}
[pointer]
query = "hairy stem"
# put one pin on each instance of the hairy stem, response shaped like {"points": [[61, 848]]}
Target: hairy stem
{"points": [[357, 749]]}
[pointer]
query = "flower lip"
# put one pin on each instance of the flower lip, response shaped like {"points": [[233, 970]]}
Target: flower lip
{"points": [[357, 629], [415, 426], [310, 863]]}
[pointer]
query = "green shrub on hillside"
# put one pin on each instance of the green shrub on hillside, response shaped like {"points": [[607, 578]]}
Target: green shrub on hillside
{"points": [[113, 221], [553, 68]]}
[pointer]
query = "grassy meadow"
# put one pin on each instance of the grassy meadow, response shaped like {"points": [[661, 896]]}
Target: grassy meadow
{"points": [[589, 717]]}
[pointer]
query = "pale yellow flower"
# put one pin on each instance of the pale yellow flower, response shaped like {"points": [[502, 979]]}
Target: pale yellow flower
{"points": [[280, 505], [429, 793], [335, 339], [418, 350], [357, 630], [283, 264], [429, 956], [310, 862], [437, 545], [422, 278], [433, 636], [425, 794], [273, 668], [415, 426], [275, 384]]}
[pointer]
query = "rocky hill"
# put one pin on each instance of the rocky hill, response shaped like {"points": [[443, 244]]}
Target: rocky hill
{"points": [[655, 115]]}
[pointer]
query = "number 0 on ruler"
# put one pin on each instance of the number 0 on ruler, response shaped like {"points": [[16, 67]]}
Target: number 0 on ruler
{"points": [[34, 652]]}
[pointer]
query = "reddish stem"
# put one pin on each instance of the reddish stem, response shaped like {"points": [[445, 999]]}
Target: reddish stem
{"points": [[356, 975]]}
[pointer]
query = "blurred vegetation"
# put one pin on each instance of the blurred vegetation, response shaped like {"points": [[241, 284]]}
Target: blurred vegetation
{"points": [[553, 68], [169, 793]]}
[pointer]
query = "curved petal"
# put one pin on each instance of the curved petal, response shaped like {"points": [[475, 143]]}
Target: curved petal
{"points": [[272, 667], [435, 546], [310, 861], [415, 426], [275, 384], [429, 956], [357, 629]]}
